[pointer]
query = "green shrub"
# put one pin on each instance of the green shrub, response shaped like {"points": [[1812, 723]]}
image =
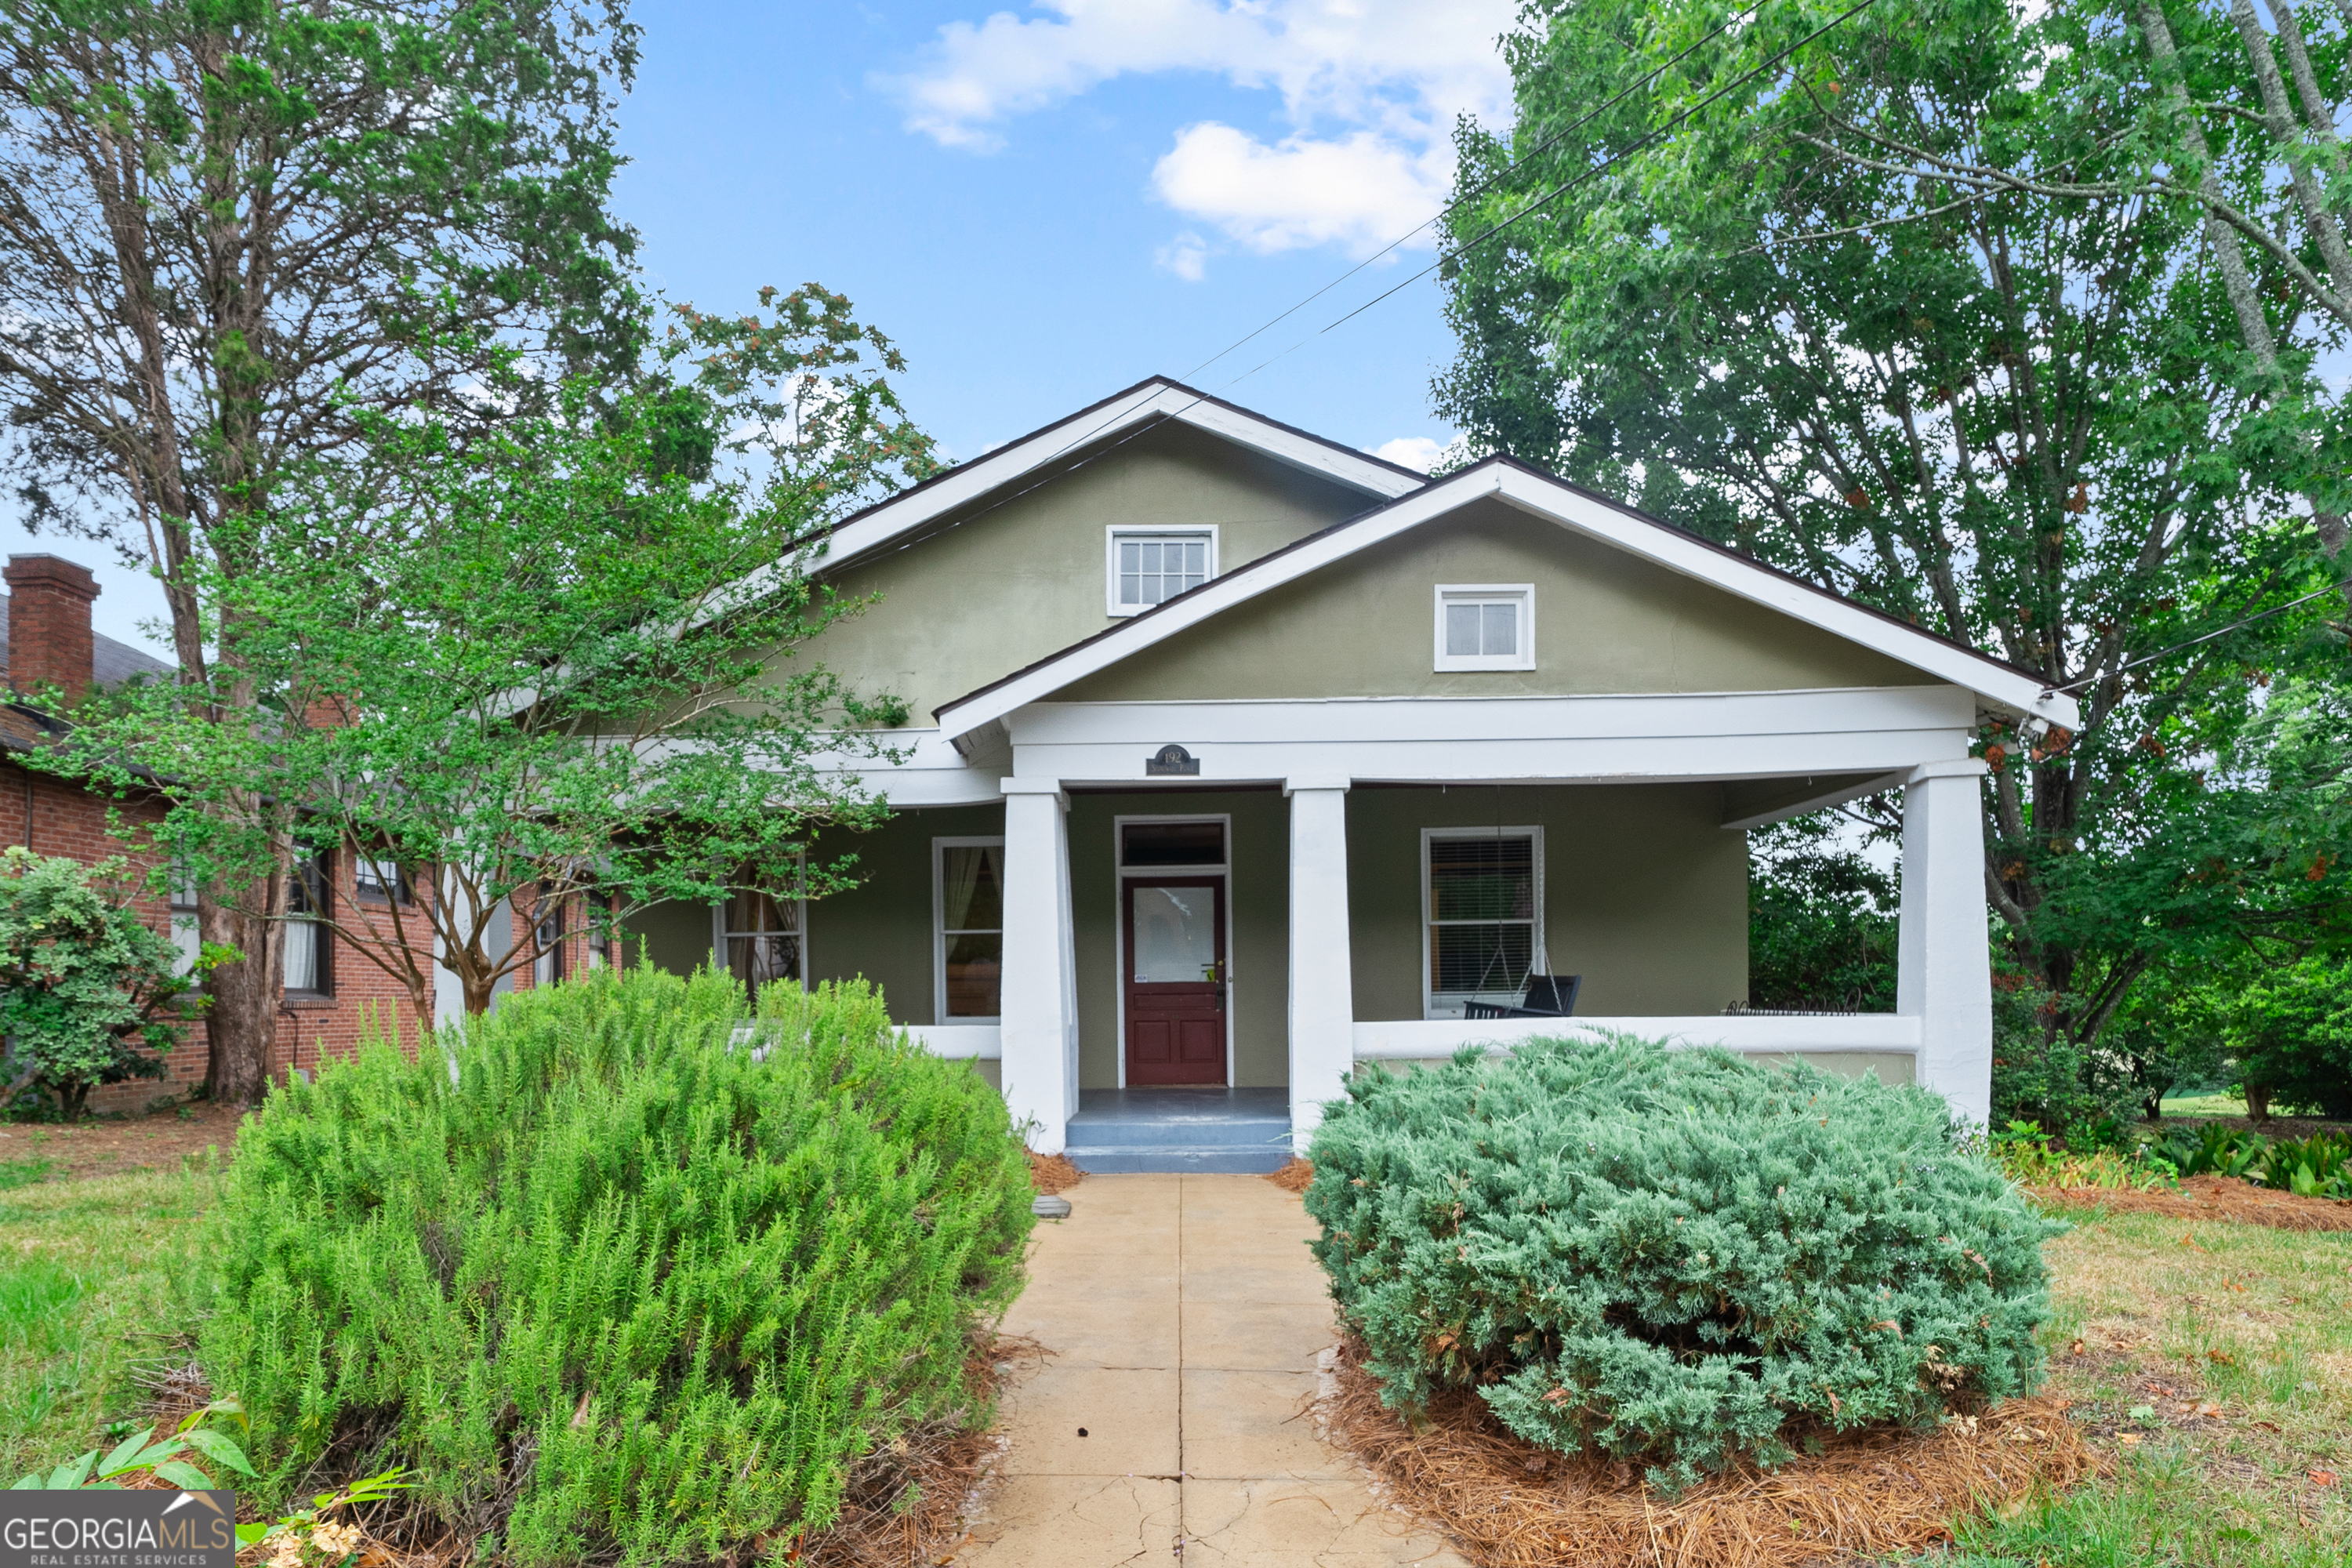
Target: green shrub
{"points": [[88, 995], [619, 1291], [2289, 1027], [1676, 1255]]}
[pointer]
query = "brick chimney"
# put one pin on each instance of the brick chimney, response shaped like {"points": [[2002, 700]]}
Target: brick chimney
{"points": [[48, 622]]}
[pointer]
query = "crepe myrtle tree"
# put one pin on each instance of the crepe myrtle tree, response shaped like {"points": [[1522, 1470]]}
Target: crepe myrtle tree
{"points": [[2022, 419], [565, 679], [230, 231]]}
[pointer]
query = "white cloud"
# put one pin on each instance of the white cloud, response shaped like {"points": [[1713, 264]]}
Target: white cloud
{"points": [[1186, 256], [1370, 88], [1359, 192], [1418, 453]]}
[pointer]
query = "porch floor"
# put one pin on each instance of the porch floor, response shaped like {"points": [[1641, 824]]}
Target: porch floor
{"points": [[1237, 1131]]}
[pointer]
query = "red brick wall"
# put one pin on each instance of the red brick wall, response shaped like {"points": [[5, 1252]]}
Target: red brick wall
{"points": [[52, 817]]}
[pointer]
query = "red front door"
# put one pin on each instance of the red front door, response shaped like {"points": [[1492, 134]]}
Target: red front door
{"points": [[1175, 981]]}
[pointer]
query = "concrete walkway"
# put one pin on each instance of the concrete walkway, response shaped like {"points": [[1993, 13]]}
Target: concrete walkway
{"points": [[1173, 1422]]}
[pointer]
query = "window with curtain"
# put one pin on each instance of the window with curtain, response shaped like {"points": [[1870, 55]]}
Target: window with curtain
{"points": [[761, 930], [1483, 899], [971, 929], [306, 953], [186, 936], [548, 937]]}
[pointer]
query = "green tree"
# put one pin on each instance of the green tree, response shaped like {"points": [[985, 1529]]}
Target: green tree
{"points": [[231, 228], [563, 681], [89, 995], [2289, 1032], [1820, 920], [2021, 420]]}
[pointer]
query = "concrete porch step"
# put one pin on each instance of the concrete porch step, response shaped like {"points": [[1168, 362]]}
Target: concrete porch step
{"points": [[1237, 1131], [1227, 1161]]}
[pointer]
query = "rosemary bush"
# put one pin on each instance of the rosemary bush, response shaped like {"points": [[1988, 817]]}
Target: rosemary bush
{"points": [[1677, 1256], [612, 1288]]}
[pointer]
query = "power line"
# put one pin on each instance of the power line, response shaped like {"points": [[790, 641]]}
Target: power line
{"points": [[1594, 172], [2208, 637], [1482, 187]]}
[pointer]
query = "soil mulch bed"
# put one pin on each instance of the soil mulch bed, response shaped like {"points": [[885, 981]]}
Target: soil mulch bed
{"points": [[906, 1505], [1051, 1173], [1296, 1175], [105, 1146], [2211, 1198], [1510, 1504]]}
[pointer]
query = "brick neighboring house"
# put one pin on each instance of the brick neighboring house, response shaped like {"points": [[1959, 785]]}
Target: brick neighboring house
{"points": [[331, 986]]}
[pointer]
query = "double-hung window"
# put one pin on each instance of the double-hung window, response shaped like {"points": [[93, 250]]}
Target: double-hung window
{"points": [[548, 938], [1482, 903], [305, 955], [967, 882], [759, 930], [1485, 626], [1150, 566]]}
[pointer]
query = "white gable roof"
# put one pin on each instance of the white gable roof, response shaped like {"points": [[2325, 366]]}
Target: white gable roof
{"points": [[1999, 686]]}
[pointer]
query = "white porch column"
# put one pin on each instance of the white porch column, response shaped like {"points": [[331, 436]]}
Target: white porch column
{"points": [[1039, 986], [1944, 975], [1322, 979]]}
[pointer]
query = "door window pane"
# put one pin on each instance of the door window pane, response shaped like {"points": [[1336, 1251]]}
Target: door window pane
{"points": [[1174, 935], [971, 930], [1172, 844]]}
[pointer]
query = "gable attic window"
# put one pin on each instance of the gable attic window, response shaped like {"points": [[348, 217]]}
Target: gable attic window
{"points": [[1150, 566], [1485, 626]]}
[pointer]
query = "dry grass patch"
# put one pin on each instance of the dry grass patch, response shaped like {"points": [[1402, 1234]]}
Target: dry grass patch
{"points": [[1293, 1175], [1051, 1173]]}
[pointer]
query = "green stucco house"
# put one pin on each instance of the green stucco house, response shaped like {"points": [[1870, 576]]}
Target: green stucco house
{"points": [[1240, 757]]}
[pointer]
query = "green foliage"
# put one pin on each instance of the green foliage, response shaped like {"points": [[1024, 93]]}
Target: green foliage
{"points": [[1773, 301], [87, 993], [2318, 1167], [1672, 1254], [2025, 1155], [2039, 1074], [2289, 1032], [546, 672], [166, 1458], [1820, 921], [610, 1287]]}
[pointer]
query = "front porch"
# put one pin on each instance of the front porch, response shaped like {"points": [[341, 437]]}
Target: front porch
{"points": [[1326, 953]]}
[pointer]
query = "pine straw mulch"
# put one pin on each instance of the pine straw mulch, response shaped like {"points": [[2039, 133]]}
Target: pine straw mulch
{"points": [[1051, 1173], [1509, 1504], [2211, 1198], [1296, 1175], [906, 1505]]}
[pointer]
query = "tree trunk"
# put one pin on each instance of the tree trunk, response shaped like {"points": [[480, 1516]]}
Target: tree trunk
{"points": [[241, 1024], [2258, 1103]]}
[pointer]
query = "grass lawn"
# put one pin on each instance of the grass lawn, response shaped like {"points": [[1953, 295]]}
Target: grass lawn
{"points": [[90, 1283], [2205, 1105], [2216, 1366]]}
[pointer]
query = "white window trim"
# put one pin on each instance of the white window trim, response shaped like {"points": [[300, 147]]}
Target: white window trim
{"points": [[1523, 594], [1120, 872], [1536, 945], [939, 926], [1114, 533]]}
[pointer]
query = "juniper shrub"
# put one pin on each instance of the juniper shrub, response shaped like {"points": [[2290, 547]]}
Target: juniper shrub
{"points": [[610, 1287], [1677, 1256]]}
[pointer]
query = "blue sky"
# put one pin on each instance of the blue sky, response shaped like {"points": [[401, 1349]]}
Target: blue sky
{"points": [[1045, 203]]}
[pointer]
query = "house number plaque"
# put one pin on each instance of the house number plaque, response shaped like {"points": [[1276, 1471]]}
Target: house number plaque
{"points": [[1172, 762]]}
